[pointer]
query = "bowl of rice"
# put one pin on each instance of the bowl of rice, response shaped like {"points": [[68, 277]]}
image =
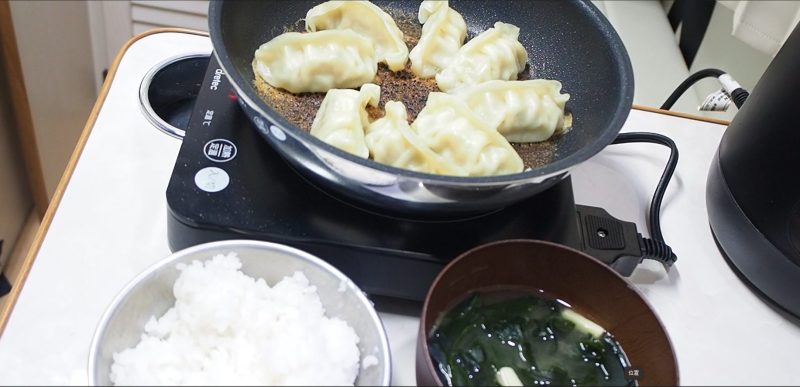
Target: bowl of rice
{"points": [[240, 313]]}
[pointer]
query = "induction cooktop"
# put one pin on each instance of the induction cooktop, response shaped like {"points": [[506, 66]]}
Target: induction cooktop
{"points": [[228, 183]]}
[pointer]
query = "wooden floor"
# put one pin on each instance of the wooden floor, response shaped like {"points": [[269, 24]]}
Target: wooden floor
{"points": [[13, 267]]}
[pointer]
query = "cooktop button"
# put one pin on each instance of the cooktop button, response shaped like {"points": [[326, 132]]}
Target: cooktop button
{"points": [[220, 150], [211, 179]]}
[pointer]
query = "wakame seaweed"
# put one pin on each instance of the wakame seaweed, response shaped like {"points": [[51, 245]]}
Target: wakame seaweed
{"points": [[486, 332]]}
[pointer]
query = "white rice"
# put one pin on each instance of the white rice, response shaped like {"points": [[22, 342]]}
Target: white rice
{"points": [[369, 361], [229, 329]]}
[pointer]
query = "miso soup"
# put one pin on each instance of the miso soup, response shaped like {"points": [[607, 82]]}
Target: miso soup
{"points": [[498, 338]]}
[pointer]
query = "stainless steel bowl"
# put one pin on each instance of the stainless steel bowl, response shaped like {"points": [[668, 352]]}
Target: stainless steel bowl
{"points": [[150, 293]]}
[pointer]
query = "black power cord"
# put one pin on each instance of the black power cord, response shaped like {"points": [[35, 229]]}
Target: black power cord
{"points": [[654, 221], [618, 243], [687, 83], [655, 248], [731, 87]]}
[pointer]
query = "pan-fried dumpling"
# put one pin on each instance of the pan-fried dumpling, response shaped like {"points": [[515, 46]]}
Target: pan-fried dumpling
{"points": [[316, 62], [366, 19], [522, 111], [443, 34], [449, 128], [495, 54], [342, 118], [392, 142]]}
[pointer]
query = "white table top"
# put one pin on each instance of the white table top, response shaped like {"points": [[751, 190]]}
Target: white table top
{"points": [[111, 224]]}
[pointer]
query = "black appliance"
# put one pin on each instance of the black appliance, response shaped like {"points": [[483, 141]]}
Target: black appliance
{"points": [[228, 183], [753, 189]]}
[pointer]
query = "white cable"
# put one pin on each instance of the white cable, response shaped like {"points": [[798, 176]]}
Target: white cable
{"points": [[728, 83], [718, 101]]}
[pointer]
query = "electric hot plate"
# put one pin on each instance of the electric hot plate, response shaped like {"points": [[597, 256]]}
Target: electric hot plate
{"points": [[228, 183]]}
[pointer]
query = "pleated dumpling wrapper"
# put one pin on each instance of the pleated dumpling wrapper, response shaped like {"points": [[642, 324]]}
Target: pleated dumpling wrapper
{"points": [[522, 111], [443, 34], [317, 61], [342, 118], [366, 19], [450, 129], [495, 54], [392, 142]]}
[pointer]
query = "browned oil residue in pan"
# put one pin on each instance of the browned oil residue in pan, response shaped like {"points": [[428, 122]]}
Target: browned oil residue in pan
{"points": [[404, 86]]}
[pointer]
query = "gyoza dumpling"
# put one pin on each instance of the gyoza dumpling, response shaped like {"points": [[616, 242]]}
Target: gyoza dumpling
{"points": [[522, 111], [450, 129], [366, 19], [443, 34], [316, 62], [392, 142], [495, 54], [342, 118]]}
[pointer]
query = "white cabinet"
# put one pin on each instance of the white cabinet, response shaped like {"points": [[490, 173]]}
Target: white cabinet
{"points": [[114, 22], [146, 15], [63, 48]]}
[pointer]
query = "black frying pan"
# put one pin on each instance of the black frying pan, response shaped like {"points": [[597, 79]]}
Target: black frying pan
{"points": [[570, 41]]}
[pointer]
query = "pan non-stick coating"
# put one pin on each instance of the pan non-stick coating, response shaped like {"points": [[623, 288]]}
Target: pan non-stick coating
{"points": [[567, 40]]}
